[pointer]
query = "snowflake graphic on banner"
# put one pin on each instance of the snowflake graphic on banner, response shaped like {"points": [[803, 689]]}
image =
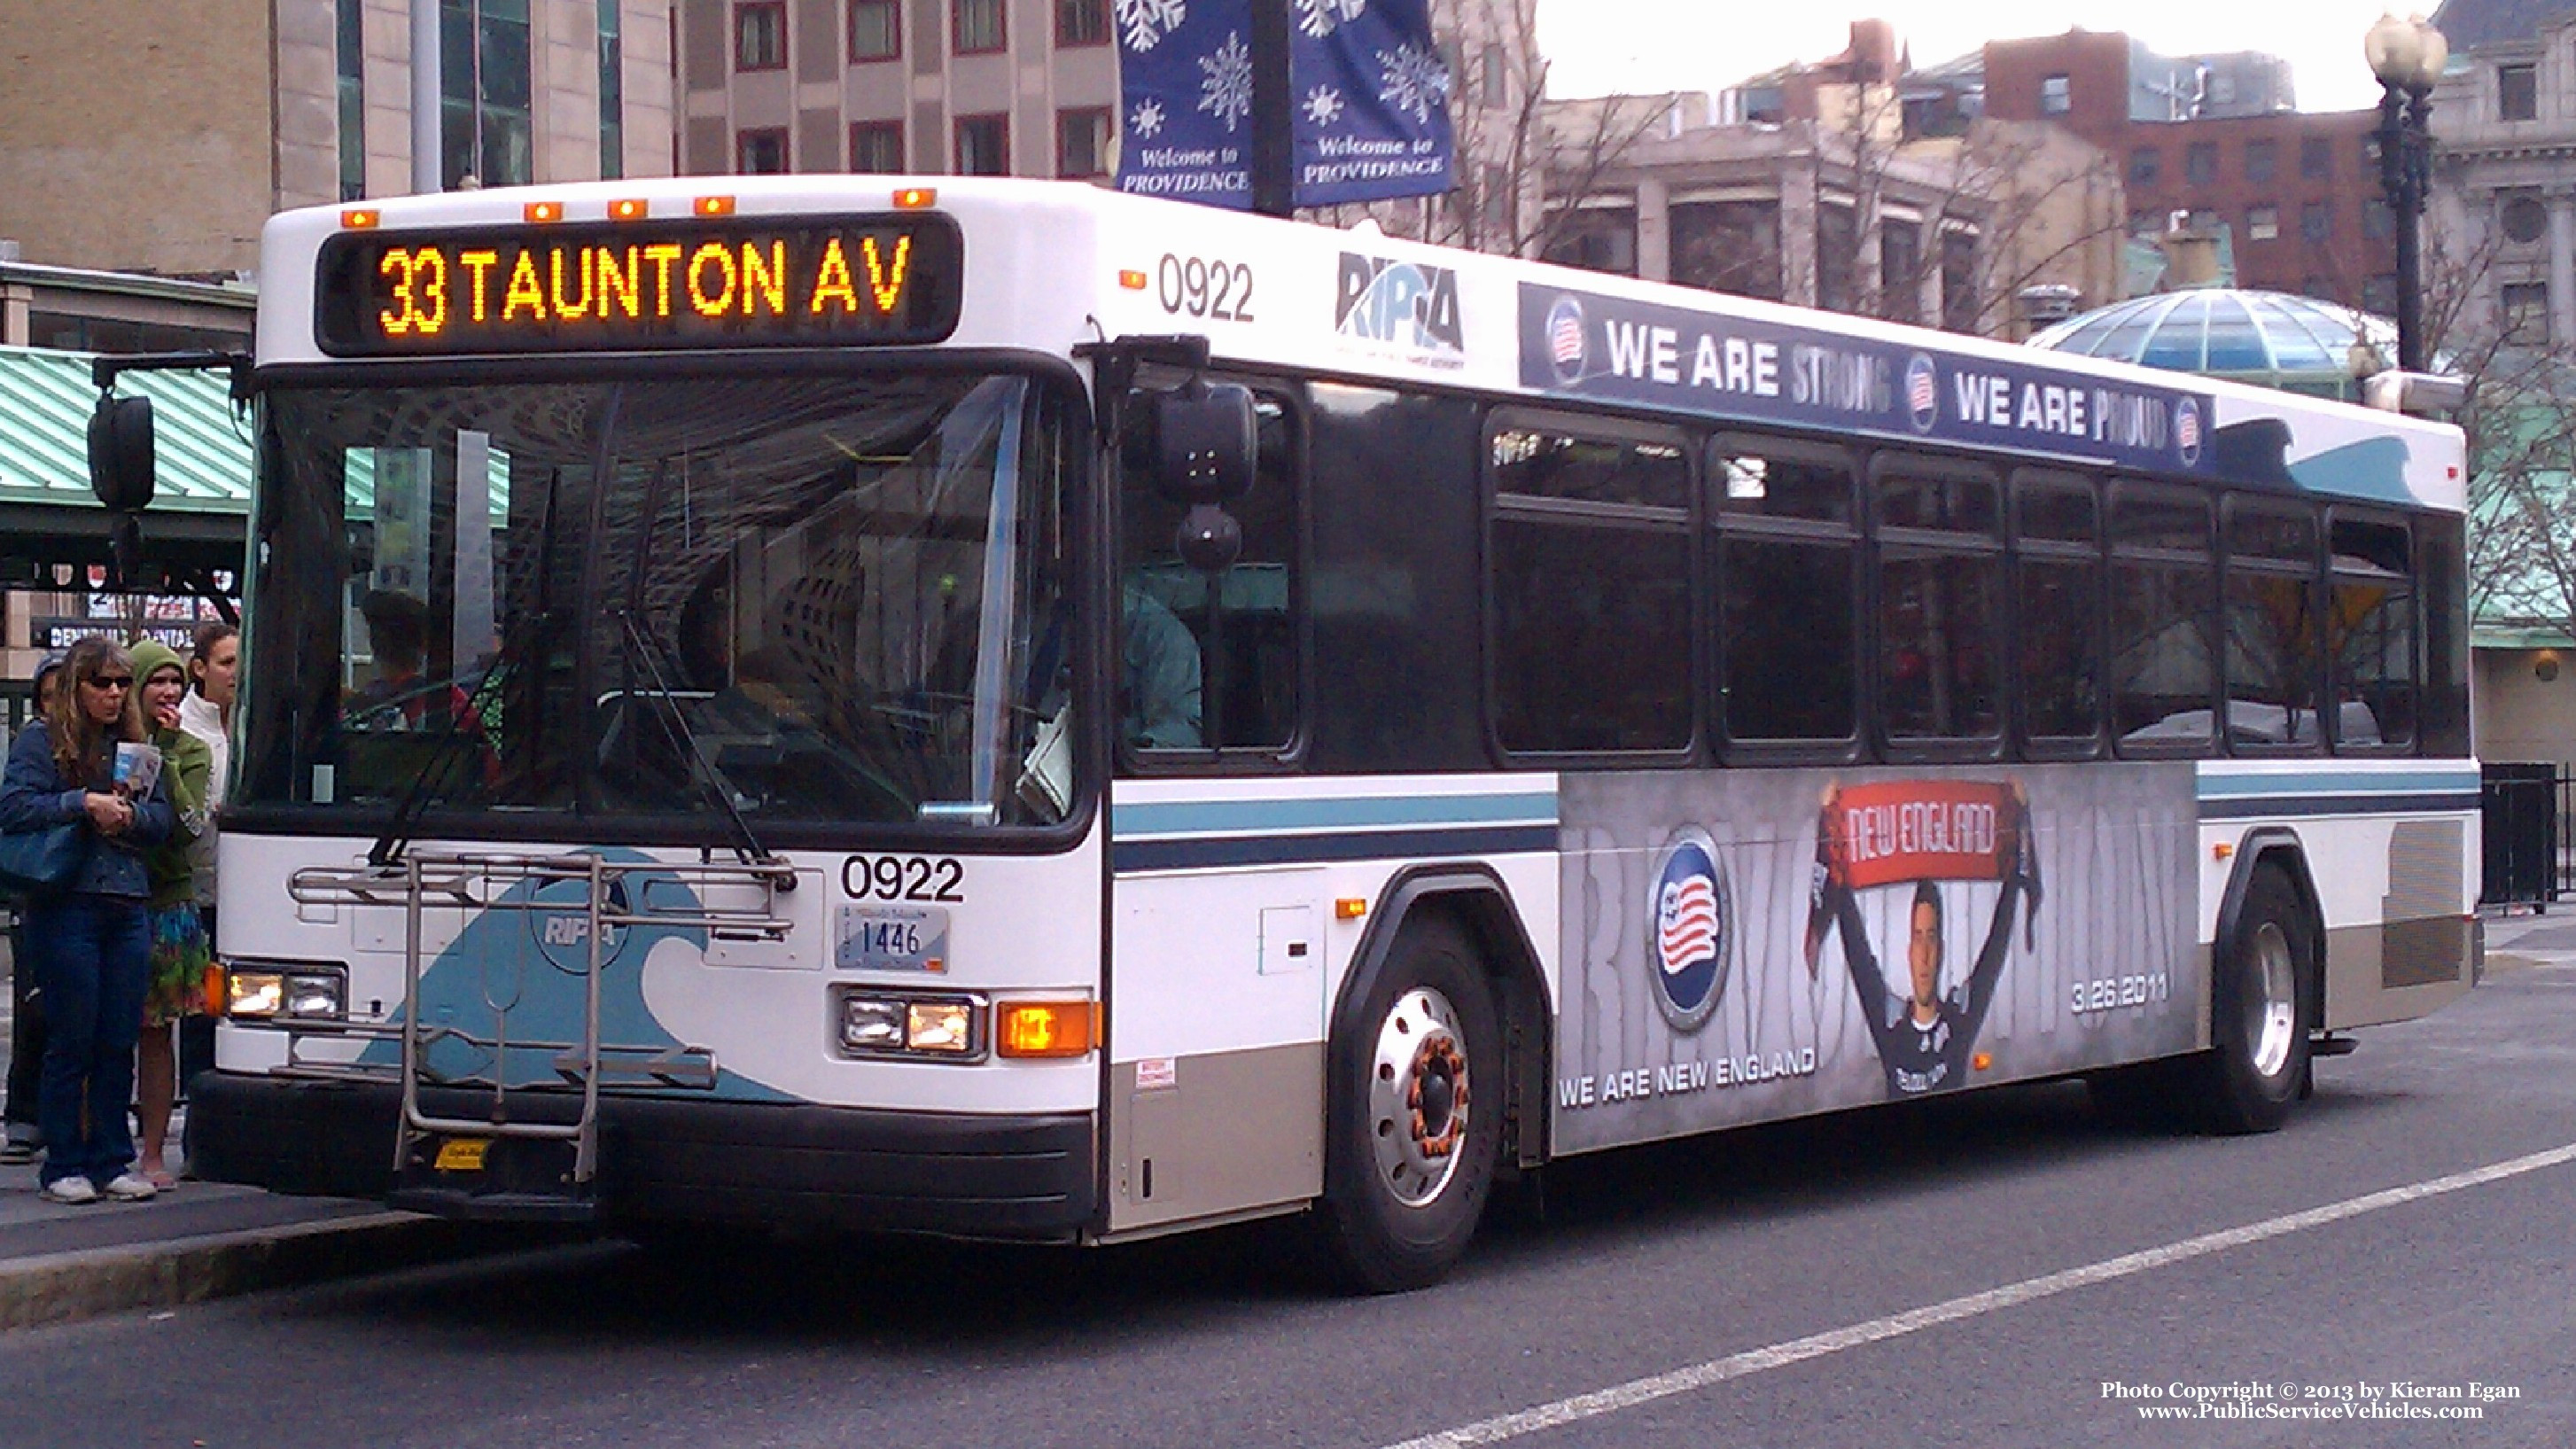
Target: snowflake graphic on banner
{"points": [[1146, 120], [1318, 17], [1415, 81], [1226, 91], [1323, 105], [1146, 22]]}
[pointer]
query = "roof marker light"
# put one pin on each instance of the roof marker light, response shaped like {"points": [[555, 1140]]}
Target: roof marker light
{"points": [[359, 219], [543, 211], [633, 208], [916, 198], [1132, 280], [715, 206]]}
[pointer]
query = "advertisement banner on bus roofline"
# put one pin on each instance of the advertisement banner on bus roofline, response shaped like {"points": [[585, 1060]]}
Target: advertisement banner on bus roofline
{"points": [[1591, 345]]}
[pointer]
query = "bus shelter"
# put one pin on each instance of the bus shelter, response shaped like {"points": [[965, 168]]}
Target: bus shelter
{"points": [[54, 535]]}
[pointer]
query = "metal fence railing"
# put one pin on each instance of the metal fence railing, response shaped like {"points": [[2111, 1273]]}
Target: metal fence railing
{"points": [[2527, 825]]}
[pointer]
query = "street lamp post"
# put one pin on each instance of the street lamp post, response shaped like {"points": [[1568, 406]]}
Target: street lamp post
{"points": [[2407, 55]]}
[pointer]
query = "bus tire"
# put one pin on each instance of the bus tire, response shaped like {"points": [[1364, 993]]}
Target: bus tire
{"points": [[1413, 1113], [2260, 1010]]}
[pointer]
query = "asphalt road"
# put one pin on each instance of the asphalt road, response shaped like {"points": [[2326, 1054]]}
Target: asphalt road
{"points": [[1971, 1272]]}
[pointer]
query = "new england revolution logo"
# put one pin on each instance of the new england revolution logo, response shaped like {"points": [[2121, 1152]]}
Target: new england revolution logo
{"points": [[1922, 392], [1687, 921], [2187, 431], [1566, 344]]}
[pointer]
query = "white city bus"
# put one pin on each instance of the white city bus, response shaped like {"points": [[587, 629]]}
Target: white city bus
{"points": [[1014, 711]]}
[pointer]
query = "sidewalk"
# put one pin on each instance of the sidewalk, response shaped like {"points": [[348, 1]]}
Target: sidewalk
{"points": [[197, 1241], [2526, 939]]}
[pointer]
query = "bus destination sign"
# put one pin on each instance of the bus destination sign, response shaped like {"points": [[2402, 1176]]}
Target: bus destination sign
{"points": [[737, 282]]}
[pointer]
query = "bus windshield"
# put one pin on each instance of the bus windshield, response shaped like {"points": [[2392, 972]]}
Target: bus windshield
{"points": [[788, 598]]}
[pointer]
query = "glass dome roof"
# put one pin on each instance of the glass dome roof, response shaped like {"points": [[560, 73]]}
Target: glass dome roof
{"points": [[2271, 339]]}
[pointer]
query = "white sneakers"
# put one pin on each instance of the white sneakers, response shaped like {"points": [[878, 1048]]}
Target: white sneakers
{"points": [[124, 1187], [73, 1190], [130, 1187]]}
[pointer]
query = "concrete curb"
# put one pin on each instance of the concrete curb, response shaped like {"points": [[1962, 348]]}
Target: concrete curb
{"points": [[63, 1287]]}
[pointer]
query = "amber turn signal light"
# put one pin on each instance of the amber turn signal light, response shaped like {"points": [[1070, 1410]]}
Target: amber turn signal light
{"points": [[359, 218], [916, 198], [1044, 1028]]}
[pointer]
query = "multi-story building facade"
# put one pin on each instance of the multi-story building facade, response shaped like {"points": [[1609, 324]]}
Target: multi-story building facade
{"points": [[219, 112], [2217, 138], [1030, 88], [2501, 222]]}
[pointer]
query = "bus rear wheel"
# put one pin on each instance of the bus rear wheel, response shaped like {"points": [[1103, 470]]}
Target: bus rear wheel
{"points": [[2261, 1011], [1413, 1114]]}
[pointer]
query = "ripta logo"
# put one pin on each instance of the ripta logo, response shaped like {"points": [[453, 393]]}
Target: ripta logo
{"points": [[561, 924], [1410, 306]]}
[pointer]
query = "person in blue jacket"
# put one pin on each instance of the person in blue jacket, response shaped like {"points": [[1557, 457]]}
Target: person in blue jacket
{"points": [[91, 944]]}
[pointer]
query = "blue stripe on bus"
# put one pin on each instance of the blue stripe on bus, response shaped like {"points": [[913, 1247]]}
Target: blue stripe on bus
{"points": [[1128, 821], [2253, 806], [1207, 852], [2340, 782]]}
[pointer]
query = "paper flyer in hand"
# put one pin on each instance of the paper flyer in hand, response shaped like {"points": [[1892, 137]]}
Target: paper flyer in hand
{"points": [[138, 769]]}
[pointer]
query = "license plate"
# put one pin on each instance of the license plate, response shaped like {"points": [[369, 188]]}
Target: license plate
{"points": [[463, 1154], [892, 938]]}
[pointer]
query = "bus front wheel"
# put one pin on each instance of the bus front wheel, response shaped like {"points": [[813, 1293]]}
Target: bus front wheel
{"points": [[2261, 1010], [1414, 1107]]}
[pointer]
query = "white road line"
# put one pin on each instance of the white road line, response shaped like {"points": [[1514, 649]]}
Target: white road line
{"points": [[1798, 1350]]}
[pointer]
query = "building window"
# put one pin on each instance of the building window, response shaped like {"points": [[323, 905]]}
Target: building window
{"points": [[352, 55], [2379, 294], [983, 146], [1602, 239], [485, 82], [2263, 223], [1837, 258], [876, 29], [976, 27], [2316, 221], [2522, 216], [1961, 307], [2517, 92], [2321, 288], [2145, 164], [760, 35], [2200, 163], [2526, 312], [1082, 143], [1081, 22], [2056, 95], [2378, 222], [1496, 81], [760, 153], [2262, 159], [612, 92], [876, 146], [1900, 270], [2316, 158]]}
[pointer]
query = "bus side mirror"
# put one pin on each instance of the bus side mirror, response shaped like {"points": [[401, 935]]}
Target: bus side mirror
{"points": [[1206, 440], [120, 453]]}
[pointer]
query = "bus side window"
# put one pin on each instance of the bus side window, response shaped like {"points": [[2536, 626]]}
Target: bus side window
{"points": [[1211, 662], [1788, 585], [1590, 578], [2164, 663], [2371, 640]]}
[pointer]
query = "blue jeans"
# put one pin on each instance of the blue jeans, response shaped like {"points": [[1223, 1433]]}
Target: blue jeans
{"points": [[92, 962]]}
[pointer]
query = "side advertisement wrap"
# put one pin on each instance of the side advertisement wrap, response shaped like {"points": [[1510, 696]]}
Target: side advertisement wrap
{"points": [[1584, 344], [1747, 946]]}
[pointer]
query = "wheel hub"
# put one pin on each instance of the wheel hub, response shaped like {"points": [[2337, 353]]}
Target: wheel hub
{"points": [[2272, 1006], [1419, 1096]]}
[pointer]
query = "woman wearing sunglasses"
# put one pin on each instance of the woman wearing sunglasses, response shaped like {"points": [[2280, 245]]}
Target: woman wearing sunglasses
{"points": [[91, 945]]}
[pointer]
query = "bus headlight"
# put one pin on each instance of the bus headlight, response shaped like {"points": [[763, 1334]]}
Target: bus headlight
{"points": [[306, 991], [890, 1024]]}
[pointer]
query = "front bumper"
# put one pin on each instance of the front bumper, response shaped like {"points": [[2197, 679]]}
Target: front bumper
{"points": [[1028, 1177]]}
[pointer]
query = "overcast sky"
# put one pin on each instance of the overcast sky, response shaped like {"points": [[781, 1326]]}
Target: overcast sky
{"points": [[1598, 46]]}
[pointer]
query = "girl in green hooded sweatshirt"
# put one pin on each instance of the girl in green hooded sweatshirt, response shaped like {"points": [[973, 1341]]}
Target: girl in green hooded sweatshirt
{"points": [[179, 951]]}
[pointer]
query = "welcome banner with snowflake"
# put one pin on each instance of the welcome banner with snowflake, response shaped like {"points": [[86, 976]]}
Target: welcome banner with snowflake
{"points": [[1371, 93]]}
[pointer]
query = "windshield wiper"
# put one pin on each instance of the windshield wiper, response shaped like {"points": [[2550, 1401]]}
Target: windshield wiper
{"points": [[639, 649]]}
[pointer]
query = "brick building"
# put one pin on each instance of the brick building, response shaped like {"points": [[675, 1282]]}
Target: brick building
{"points": [[2216, 137]]}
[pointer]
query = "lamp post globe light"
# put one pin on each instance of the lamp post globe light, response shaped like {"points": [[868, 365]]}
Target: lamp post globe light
{"points": [[2407, 55]]}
